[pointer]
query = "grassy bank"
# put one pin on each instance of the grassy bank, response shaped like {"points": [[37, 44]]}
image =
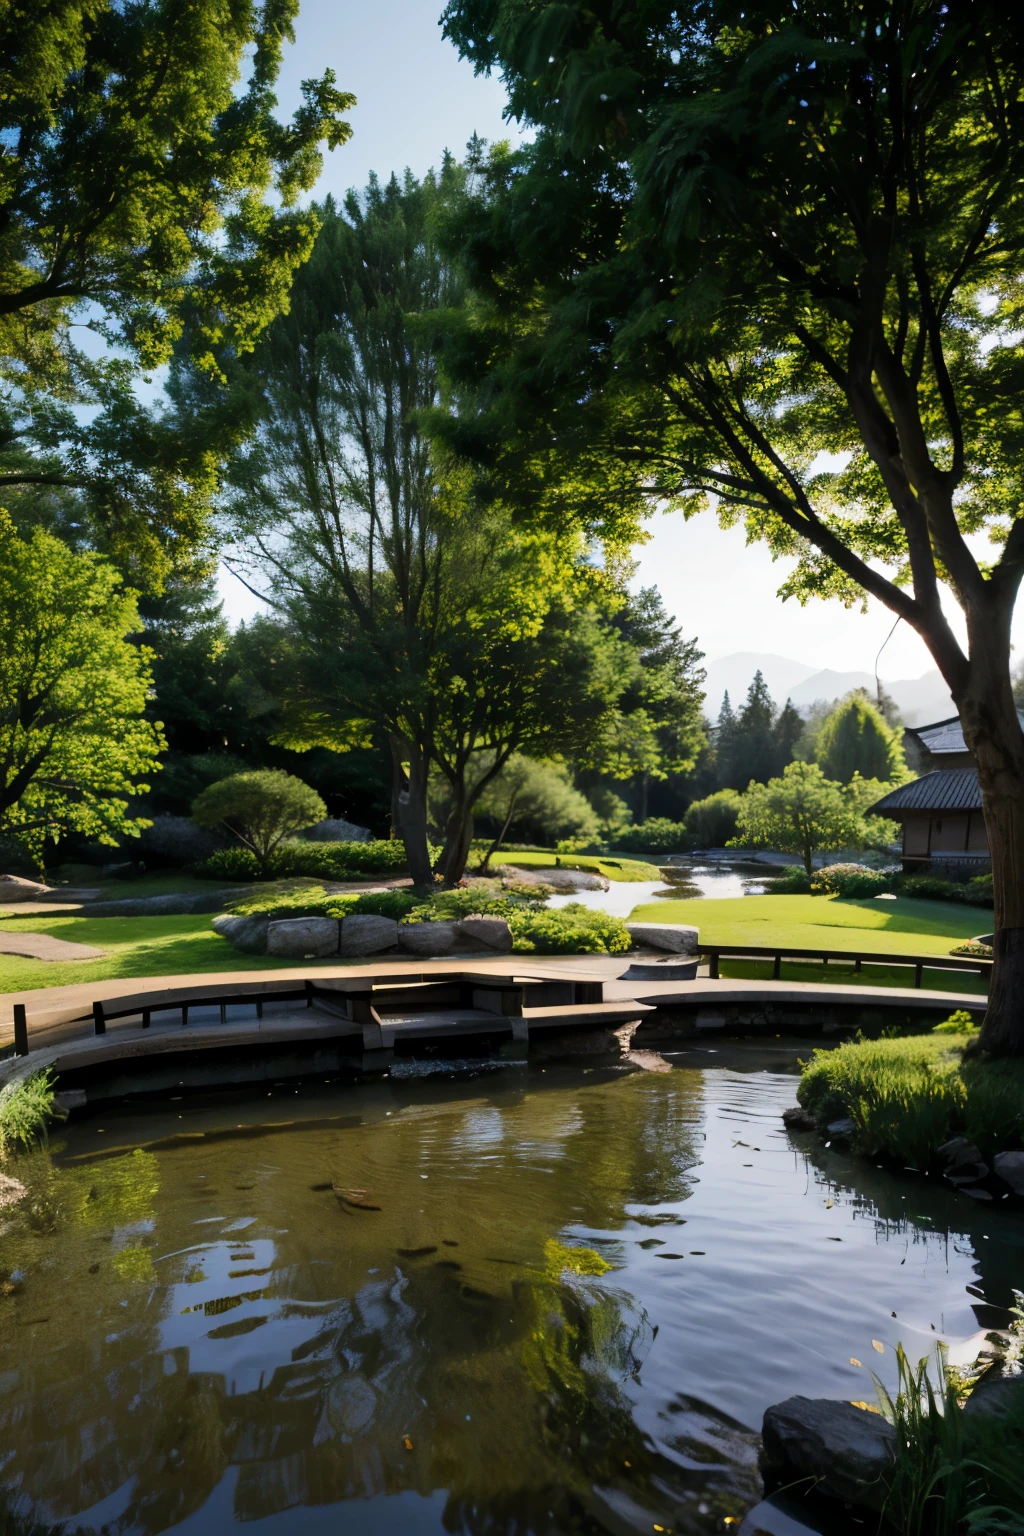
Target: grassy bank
{"points": [[594, 864], [902, 926], [842, 973], [907, 1096]]}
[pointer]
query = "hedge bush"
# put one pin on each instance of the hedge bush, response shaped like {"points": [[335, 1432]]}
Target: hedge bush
{"points": [[324, 861], [975, 893], [850, 880], [570, 930], [656, 835]]}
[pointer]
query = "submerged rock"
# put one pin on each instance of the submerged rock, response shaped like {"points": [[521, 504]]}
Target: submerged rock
{"points": [[1009, 1166], [997, 1395], [799, 1119], [427, 938], [845, 1451], [299, 937], [493, 932], [962, 1162], [679, 938], [11, 1191], [365, 933]]}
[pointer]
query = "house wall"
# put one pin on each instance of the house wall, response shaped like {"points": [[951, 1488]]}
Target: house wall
{"points": [[957, 841]]}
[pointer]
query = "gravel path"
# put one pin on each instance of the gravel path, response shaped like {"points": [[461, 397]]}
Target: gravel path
{"points": [[40, 946]]}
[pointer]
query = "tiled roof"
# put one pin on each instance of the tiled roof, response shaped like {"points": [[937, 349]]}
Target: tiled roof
{"points": [[946, 735], [947, 789]]}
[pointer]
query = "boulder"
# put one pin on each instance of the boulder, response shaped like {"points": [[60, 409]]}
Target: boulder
{"points": [[997, 1395], [337, 831], [783, 1516], [799, 1119], [365, 934], [11, 1191], [676, 937], [1009, 1166], [493, 932], [840, 1130], [14, 888], [301, 938], [962, 1162], [846, 1452], [249, 934], [426, 938]]}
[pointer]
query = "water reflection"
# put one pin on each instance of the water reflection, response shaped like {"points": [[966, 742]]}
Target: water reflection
{"points": [[682, 880], [575, 1299]]}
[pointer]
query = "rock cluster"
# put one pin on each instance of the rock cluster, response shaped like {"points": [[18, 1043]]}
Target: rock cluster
{"points": [[363, 933]]}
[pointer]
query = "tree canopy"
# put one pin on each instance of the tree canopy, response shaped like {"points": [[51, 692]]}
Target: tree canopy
{"points": [[855, 739], [801, 812], [150, 196], [261, 808], [74, 743]]}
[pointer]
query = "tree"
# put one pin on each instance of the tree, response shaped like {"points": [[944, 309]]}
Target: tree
{"points": [[144, 197], [713, 819], [261, 809], [802, 812], [854, 739], [750, 234], [536, 796], [74, 742]]}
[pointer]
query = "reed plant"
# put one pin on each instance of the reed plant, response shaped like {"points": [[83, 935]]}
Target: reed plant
{"points": [[26, 1107]]}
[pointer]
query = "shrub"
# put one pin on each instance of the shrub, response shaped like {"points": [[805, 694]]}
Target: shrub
{"points": [[316, 902], [712, 821], [261, 809], [959, 1023], [25, 1108], [570, 930], [850, 880], [976, 892], [317, 861], [229, 864], [795, 882], [973, 950], [656, 835]]}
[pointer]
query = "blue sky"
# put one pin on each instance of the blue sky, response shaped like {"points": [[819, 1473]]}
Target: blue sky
{"points": [[416, 98]]}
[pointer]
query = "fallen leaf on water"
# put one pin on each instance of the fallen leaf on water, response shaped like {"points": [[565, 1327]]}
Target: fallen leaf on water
{"points": [[829, 1204], [407, 1443], [359, 1199], [878, 1348], [867, 1407], [854, 1360]]}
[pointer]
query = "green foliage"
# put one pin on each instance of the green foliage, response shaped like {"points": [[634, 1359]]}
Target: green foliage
{"points": [[959, 1023], [316, 902], [148, 194], [713, 820], [953, 1472], [603, 864], [528, 797], [656, 835], [261, 809], [855, 739], [758, 742], [974, 893], [851, 880], [570, 930], [559, 1258], [795, 881], [26, 1106], [318, 861], [73, 740], [907, 1096], [973, 950], [803, 812]]}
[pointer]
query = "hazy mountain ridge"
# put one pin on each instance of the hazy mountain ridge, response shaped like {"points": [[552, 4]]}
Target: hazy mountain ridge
{"points": [[919, 700]]}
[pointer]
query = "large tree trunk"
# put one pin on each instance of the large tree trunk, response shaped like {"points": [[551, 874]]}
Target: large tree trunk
{"points": [[993, 734], [458, 838], [409, 808]]}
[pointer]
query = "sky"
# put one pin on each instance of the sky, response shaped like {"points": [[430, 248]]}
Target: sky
{"points": [[416, 98]]}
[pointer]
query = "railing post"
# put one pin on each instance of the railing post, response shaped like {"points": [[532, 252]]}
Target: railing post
{"points": [[713, 966], [20, 1030], [918, 973], [777, 968], [309, 994], [99, 1019]]}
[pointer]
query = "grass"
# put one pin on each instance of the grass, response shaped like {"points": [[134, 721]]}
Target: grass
{"points": [[135, 946], [25, 1108], [595, 864], [903, 926], [842, 973], [907, 1096]]}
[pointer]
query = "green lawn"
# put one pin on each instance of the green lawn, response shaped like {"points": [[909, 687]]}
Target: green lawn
{"points": [[612, 869], [902, 926], [838, 973], [136, 946]]}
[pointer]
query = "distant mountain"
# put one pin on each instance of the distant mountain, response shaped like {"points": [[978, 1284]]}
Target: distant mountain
{"points": [[919, 700]]}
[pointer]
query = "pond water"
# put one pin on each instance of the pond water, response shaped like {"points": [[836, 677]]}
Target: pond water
{"points": [[680, 882], [200, 1332]]}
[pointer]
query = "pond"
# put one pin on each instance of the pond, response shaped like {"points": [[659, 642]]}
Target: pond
{"points": [[680, 882], [520, 1300]]}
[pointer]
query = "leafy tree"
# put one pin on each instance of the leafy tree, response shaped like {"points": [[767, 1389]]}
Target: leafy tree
{"points": [[261, 808], [744, 234], [74, 743], [536, 798], [713, 819], [144, 196], [801, 812], [854, 739]]}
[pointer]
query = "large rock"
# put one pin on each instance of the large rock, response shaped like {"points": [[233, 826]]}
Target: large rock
{"points": [[493, 932], [846, 1451], [302, 938], [337, 831], [997, 1396], [427, 938], [1009, 1166], [365, 934], [961, 1161], [249, 934], [676, 937]]}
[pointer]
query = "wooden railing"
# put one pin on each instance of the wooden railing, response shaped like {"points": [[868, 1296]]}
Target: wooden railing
{"points": [[714, 953]]}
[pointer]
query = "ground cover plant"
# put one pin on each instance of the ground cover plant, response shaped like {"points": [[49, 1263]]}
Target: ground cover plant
{"points": [[318, 861], [26, 1107], [907, 1096]]}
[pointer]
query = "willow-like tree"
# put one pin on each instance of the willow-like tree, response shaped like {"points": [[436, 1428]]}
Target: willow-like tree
{"points": [[746, 234], [148, 190]]}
